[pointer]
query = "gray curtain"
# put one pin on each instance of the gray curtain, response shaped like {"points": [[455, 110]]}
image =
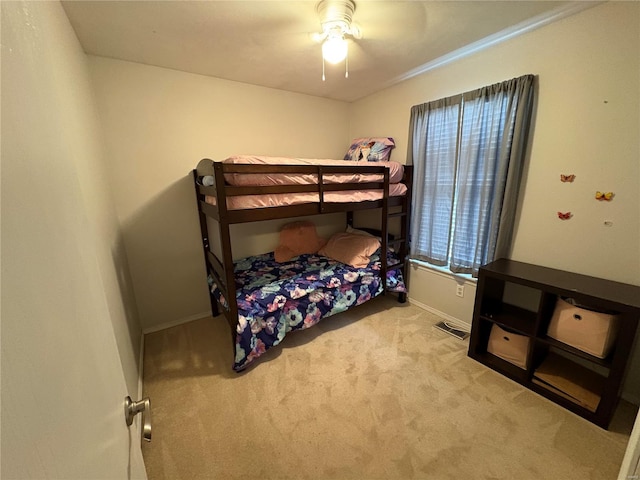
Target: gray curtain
{"points": [[433, 134], [465, 219]]}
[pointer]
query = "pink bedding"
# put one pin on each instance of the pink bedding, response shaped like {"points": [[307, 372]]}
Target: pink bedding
{"points": [[396, 171], [280, 199]]}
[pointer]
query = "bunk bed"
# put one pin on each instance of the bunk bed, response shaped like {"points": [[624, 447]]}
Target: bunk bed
{"points": [[262, 299]]}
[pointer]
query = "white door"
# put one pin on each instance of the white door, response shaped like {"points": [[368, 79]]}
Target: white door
{"points": [[630, 468], [62, 382]]}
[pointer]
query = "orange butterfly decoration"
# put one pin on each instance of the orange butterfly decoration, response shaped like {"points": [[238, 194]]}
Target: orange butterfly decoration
{"points": [[604, 196], [564, 216], [567, 178]]}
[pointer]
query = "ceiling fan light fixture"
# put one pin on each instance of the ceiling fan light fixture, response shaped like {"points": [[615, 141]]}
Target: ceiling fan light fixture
{"points": [[335, 18], [334, 13], [334, 49]]}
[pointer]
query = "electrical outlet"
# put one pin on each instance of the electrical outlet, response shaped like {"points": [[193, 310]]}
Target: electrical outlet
{"points": [[460, 290]]}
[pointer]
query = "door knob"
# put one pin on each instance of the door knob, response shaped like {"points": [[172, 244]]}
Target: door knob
{"points": [[131, 409]]}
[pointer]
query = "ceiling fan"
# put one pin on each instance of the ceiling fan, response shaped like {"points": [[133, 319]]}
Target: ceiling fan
{"points": [[336, 20]]}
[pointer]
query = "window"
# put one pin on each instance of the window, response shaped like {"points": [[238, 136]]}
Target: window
{"points": [[467, 151]]}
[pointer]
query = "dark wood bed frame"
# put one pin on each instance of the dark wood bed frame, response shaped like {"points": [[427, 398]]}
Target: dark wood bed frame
{"points": [[222, 270]]}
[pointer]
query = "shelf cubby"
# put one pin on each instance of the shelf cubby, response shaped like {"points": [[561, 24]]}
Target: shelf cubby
{"points": [[513, 318], [576, 380]]}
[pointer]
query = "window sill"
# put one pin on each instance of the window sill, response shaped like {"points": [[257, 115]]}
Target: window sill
{"points": [[444, 271]]}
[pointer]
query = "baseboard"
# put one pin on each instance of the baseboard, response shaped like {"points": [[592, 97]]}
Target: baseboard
{"points": [[630, 398], [174, 323], [453, 320]]}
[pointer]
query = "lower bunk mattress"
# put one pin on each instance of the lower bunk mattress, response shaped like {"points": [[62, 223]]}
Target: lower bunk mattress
{"points": [[276, 298]]}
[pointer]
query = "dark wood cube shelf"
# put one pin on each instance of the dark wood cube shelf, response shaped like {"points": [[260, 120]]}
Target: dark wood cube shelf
{"points": [[605, 375]]}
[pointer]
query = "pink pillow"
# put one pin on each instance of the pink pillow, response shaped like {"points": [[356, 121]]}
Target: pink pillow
{"points": [[297, 238], [350, 248]]}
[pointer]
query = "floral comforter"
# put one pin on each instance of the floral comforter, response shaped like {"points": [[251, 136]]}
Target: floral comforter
{"points": [[276, 298]]}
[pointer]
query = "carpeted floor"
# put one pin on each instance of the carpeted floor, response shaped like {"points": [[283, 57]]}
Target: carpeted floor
{"points": [[374, 393]]}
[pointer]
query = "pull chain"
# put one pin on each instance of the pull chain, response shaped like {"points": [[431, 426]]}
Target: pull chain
{"points": [[346, 66]]}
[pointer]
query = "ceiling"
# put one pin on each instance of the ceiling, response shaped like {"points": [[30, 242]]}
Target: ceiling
{"points": [[269, 42]]}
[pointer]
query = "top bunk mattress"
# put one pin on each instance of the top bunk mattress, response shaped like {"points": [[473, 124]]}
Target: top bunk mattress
{"points": [[396, 171], [245, 202]]}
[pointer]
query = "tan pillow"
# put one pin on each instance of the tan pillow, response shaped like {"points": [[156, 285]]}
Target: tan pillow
{"points": [[356, 231], [350, 248], [297, 238]]}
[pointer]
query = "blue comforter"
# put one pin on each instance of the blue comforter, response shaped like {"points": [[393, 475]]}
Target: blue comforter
{"points": [[276, 298]]}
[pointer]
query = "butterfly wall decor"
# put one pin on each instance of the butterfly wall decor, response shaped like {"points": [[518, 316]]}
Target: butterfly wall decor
{"points": [[564, 216], [604, 196], [567, 178]]}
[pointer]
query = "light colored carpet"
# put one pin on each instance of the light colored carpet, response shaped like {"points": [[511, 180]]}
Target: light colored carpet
{"points": [[374, 393]]}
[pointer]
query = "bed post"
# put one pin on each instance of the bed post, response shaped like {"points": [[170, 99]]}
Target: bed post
{"points": [[385, 231], [350, 218], [225, 240], [405, 228], [204, 235]]}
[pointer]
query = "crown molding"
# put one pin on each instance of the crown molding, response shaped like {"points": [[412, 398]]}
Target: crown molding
{"points": [[499, 37]]}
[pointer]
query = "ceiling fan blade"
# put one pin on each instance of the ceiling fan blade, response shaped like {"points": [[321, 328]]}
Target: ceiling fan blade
{"points": [[317, 37], [355, 31]]}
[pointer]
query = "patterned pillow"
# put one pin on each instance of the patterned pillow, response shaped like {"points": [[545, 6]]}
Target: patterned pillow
{"points": [[372, 149]]}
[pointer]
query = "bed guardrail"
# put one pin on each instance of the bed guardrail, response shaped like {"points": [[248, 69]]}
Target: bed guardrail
{"points": [[222, 270]]}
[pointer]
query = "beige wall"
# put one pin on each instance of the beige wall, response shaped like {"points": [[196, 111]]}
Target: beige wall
{"points": [[82, 150], [158, 124], [582, 62], [69, 327], [587, 123]]}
